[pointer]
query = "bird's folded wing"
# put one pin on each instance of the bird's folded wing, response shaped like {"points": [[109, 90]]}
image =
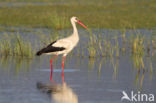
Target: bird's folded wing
{"points": [[62, 43]]}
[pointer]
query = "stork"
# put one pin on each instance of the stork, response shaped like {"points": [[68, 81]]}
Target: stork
{"points": [[62, 46]]}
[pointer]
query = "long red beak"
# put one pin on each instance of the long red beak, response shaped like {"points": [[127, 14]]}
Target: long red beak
{"points": [[81, 24]]}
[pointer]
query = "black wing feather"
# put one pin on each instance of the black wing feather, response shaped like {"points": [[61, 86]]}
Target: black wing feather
{"points": [[49, 49], [52, 43]]}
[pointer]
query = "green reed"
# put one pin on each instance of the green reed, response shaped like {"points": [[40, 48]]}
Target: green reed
{"points": [[22, 48], [138, 45], [5, 45], [15, 45], [116, 47], [98, 45], [92, 43], [123, 41]]}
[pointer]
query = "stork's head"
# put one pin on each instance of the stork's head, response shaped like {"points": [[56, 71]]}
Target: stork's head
{"points": [[75, 19]]}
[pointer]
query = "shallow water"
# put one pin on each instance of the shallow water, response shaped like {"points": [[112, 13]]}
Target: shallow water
{"points": [[94, 80], [89, 82]]}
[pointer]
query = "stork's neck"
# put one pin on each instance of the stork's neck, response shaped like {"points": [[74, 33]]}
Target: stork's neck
{"points": [[75, 32]]}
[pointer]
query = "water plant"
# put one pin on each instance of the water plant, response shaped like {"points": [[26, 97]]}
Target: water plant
{"points": [[92, 43], [22, 48], [124, 41], [14, 45], [5, 45], [138, 45], [116, 46]]}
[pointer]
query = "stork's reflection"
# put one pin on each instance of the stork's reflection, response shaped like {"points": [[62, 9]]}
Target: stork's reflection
{"points": [[59, 93]]}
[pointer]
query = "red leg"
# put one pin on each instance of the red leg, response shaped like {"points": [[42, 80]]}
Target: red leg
{"points": [[63, 59], [51, 75]]}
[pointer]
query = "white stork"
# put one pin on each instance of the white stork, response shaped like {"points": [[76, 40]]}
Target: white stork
{"points": [[62, 46]]}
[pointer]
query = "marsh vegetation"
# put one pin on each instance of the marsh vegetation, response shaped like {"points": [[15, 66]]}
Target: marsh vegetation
{"points": [[114, 14], [119, 47]]}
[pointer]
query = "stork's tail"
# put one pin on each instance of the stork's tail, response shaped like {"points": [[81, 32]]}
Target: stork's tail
{"points": [[39, 52]]}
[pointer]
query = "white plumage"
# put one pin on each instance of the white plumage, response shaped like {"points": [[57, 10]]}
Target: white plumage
{"points": [[63, 46]]}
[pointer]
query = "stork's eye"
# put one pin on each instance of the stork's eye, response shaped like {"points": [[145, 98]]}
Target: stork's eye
{"points": [[76, 19]]}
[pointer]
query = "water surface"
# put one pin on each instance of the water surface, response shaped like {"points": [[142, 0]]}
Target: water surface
{"points": [[93, 80]]}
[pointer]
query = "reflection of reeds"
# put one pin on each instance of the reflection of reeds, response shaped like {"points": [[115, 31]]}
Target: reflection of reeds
{"points": [[4, 61], [139, 79], [139, 63], [100, 67], [91, 63], [115, 64], [151, 70], [15, 63]]}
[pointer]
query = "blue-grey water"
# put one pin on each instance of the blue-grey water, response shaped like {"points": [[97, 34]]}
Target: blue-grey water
{"points": [[89, 82], [94, 80]]}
